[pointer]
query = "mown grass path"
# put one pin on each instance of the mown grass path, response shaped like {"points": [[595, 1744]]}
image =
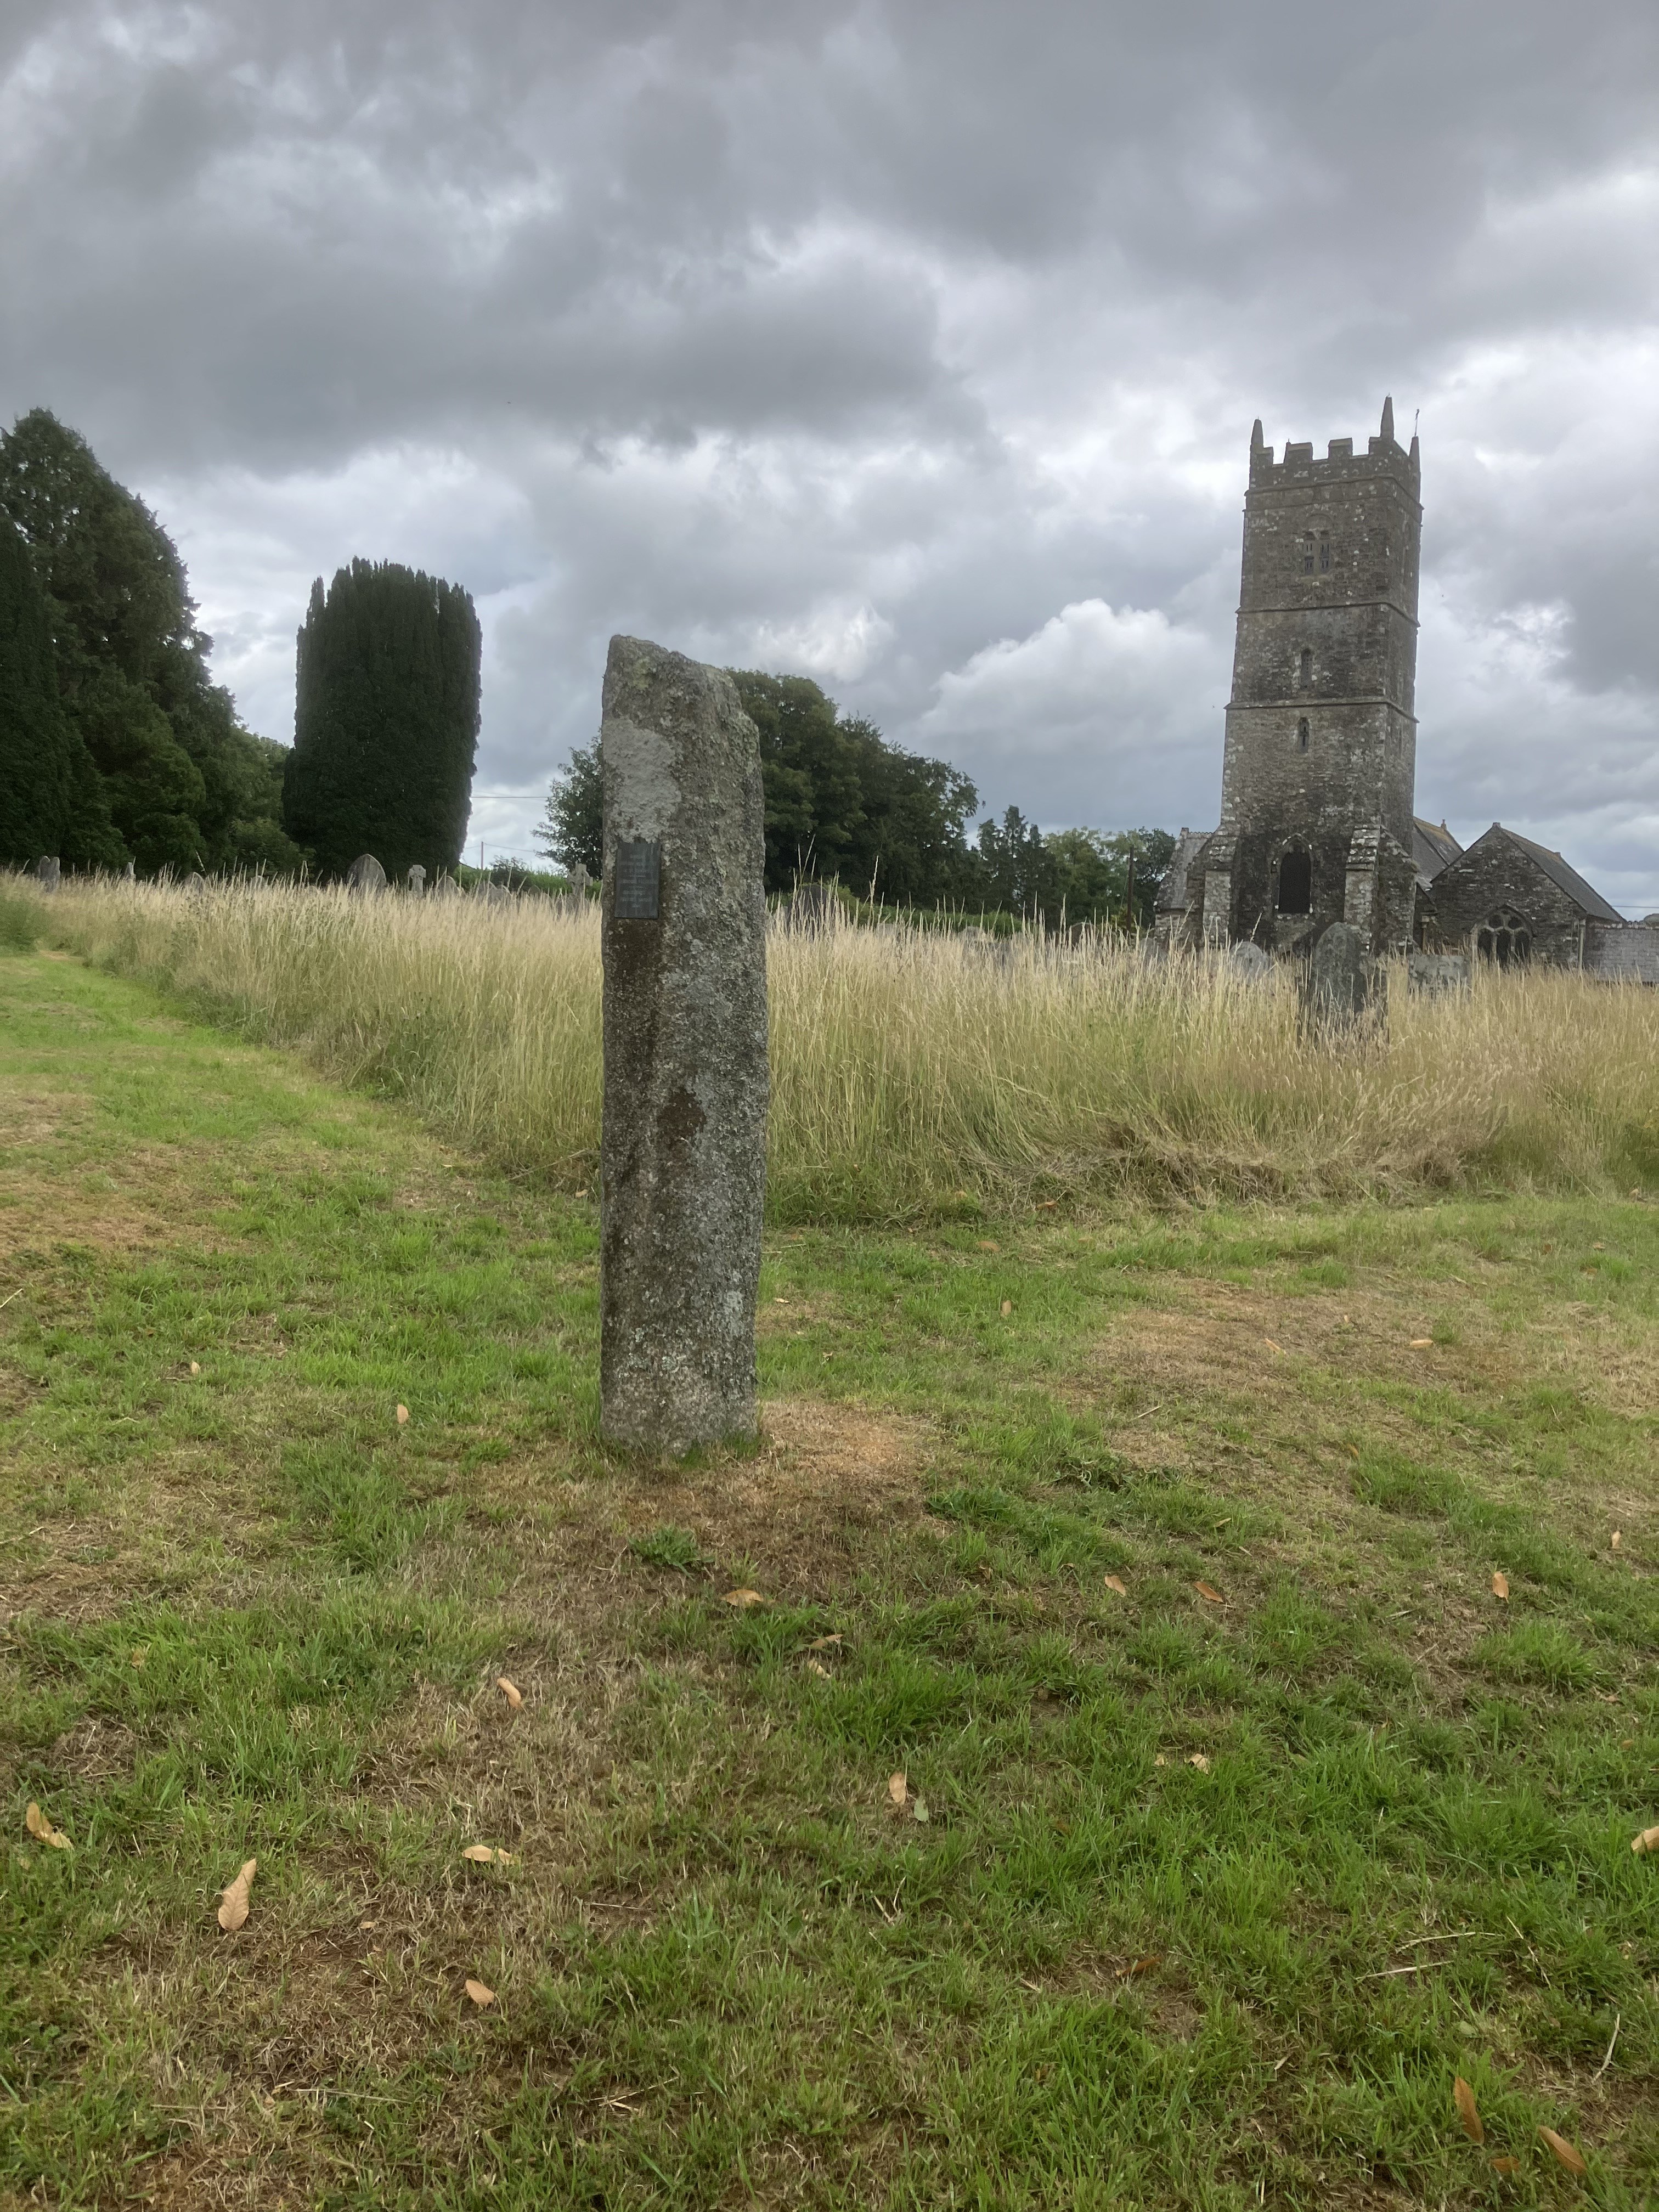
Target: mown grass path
{"points": [[1224, 1874]]}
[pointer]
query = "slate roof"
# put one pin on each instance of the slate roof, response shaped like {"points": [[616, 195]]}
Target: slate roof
{"points": [[1432, 846], [1565, 877]]}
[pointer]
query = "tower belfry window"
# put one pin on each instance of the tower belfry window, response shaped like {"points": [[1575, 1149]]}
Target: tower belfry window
{"points": [[1324, 552], [1307, 556], [1302, 734], [1307, 665]]}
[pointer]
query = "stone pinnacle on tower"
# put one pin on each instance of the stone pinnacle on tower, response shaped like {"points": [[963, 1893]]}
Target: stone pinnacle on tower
{"points": [[1388, 421]]}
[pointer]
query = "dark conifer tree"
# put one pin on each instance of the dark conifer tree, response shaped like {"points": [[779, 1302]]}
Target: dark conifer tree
{"points": [[386, 722]]}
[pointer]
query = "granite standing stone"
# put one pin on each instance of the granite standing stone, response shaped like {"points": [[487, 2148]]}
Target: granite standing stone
{"points": [[683, 1164], [49, 872], [1340, 978], [365, 874], [417, 879], [578, 880]]}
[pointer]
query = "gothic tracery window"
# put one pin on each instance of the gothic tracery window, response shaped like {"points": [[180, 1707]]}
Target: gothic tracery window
{"points": [[1506, 937]]}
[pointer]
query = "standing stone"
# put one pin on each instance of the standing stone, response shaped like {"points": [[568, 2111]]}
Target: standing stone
{"points": [[417, 879], [684, 1160], [49, 872], [812, 908], [1248, 963], [366, 874], [1340, 978], [579, 880], [129, 874]]}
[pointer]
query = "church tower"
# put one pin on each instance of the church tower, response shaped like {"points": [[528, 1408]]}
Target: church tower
{"points": [[1317, 777]]}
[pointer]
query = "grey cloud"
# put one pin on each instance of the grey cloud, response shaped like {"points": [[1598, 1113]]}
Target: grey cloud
{"points": [[875, 338]]}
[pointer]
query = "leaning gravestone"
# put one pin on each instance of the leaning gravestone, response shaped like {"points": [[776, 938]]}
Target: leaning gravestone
{"points": [[683, 1153], [1438, 975], [1341, 979], [416, 879], [365, 874], [49, 872]]}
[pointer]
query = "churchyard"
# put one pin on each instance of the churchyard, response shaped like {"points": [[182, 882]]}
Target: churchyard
{"points": [[1169, 1698]]}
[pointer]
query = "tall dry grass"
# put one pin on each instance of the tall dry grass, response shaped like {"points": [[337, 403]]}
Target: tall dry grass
{"points": [[909, 1068]]}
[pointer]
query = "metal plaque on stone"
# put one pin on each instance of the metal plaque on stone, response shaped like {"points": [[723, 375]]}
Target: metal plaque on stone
{"points": [[639, 879]]}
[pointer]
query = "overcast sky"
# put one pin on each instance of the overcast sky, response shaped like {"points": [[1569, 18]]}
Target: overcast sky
{"points": [[915, 347]]}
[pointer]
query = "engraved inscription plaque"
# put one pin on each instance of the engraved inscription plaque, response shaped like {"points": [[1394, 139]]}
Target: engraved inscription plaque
{"points": [[639, 879]]}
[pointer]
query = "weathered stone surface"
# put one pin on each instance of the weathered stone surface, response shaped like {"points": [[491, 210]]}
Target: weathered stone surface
{"points": [[1248, 961], [1340, 977], [684, 1166], [444, 887], [129, 874], [49, 872], [417, 879], [579, 880], [1438, 975], [492, 894], [366, 874]]}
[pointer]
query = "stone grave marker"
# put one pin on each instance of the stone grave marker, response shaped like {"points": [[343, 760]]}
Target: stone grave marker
{"points": [[50, 871], [417, 879], [1342, 979], [683, 1147], [366, 874]]}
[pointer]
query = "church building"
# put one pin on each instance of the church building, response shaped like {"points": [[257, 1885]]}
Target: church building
{"points": [[1319, 768]]}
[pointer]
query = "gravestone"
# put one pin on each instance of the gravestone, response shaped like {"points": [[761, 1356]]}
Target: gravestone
{"points": [[492, 894], [684, 1153], [365, 874], [443, 887], [417, 879], [1341, 979], [812, 907], [1248, 963], [50, 871], [129, 874], [1438, 975], [579, 880]]}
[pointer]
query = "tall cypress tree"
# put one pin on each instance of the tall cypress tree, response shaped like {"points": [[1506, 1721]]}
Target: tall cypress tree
{"points": [[385, 721]]}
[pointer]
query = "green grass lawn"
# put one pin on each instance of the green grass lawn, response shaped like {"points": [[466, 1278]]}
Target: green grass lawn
{"points": [[1241, 1816]]}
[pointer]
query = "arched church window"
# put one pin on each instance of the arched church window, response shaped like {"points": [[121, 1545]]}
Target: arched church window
{"points": [[1506, 937], [1302, 734], [1308, 555], [1324, 551], [1295, 882], [1307, 665]]}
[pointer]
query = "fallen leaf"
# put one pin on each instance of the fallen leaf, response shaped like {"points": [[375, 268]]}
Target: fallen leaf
{"points": [[743, 1598], [403, 1415], [42, 1828], [1116, 1583], [1140, 1966], [824, 1643], [232, 1910], [1354, 1450], [480, 1992], [510, 1690], [1158, 1760], [1047, 1205], [1008, 1306], [898, 1788], [139, 1655], [989, 1244], [1647, 1841], [1422, 1344], [1566, 2154], [195, 1367], [1618, 1539], [1208, 1592], [1199, 1759], [919, 1806], [1500, 1584], [1468, 2111], [1506, 2166], [815, 1667], [1271, 1346], [486, 1854], [582, 1192], [1627, 1744], [362, 1924]]}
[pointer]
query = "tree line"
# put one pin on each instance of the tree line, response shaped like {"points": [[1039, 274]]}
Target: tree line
{"points": [[117, 750], [844, 805]]}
